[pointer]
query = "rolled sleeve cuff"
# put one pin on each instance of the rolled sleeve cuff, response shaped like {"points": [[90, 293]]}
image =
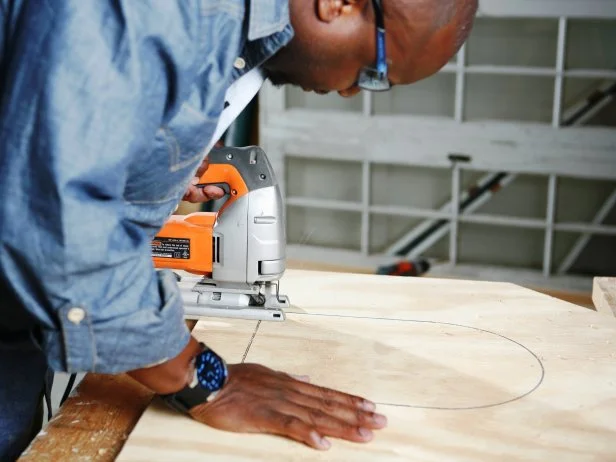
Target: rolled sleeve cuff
{"points": [[137, 339]]}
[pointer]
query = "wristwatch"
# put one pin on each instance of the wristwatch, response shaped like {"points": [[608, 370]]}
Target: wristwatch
{"points": [[210, 376]]}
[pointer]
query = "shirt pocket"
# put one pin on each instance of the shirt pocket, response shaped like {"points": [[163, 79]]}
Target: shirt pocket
{"points": [[163, 173], [187, 137]]}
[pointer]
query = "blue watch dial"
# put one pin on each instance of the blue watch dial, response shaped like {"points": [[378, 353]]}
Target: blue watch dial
{"points": [[211, 370]]}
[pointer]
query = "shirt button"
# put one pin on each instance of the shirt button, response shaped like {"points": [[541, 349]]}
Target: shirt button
{"points": [[240, 63], [76, 315]]}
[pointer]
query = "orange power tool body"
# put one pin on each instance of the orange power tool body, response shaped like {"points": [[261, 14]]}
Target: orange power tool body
{"points": [[238, 251]]}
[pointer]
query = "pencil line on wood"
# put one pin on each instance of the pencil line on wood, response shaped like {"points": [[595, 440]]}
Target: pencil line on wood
{"points": [[516, 398], [251, 340]]}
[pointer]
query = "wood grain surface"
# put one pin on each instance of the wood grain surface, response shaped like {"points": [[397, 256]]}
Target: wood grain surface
{"points": [[464, 371], [93, 423]]}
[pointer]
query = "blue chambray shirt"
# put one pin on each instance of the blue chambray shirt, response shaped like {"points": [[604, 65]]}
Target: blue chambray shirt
{"points": [[106, 108]]}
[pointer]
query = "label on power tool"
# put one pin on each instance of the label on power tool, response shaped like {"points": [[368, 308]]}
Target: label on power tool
{"points": [[171, 247]]}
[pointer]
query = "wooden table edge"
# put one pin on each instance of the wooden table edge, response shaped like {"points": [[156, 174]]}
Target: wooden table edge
{"points": [[94, 422]]}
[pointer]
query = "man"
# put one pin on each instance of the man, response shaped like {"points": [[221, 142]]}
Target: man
{"points": [[108, 109]]}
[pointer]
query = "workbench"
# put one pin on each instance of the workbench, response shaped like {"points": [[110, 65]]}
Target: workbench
{"points": [[464, 371]]}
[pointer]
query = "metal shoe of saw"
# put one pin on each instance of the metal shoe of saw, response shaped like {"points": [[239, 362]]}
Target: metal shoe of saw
{"points": [[239, 251]]}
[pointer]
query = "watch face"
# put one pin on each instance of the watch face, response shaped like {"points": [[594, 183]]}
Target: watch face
{"points": [[211, 370]]}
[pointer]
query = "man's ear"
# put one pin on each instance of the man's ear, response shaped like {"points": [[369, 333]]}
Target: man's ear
{"points": [[329, 10]]}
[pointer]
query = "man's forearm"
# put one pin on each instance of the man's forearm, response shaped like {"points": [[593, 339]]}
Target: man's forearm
{"points": [[172, 375]]}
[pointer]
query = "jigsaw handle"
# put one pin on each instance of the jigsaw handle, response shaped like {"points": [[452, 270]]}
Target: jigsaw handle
{"points": [[238, 170]]}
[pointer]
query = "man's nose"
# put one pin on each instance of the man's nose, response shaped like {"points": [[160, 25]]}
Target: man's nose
{"points": [[351, 91]]}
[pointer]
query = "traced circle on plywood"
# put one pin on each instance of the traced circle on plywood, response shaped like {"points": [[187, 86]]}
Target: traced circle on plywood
{"points": [[532, 362], [446, 366]]}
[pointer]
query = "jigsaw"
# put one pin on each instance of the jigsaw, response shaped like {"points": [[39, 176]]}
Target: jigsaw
{"points": [[237, 254]]}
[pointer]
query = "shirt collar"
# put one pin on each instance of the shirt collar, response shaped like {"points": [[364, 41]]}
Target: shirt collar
{"points": [[267, 17], [269, 29]]}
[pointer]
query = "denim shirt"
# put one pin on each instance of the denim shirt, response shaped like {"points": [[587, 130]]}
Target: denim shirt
{"points": [[106, 108]]}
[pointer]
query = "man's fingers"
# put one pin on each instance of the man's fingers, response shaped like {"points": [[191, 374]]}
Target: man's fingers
{"points": [[325, 424], [351, 415], [194, 195], [213, 192], [204, 194], [291, 426], [327, 394]]}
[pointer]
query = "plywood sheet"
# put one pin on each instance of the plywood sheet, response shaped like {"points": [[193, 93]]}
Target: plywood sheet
{"points": [[229, 337], [464, 371]]}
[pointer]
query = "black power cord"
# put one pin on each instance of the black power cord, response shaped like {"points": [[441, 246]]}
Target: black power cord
{"points": [[69, 388]]}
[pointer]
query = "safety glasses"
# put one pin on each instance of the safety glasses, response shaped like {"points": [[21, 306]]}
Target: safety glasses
{"points": [[375, 78]]}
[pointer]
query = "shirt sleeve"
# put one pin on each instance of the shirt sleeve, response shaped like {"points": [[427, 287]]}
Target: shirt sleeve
{"points": [[84, 91]]}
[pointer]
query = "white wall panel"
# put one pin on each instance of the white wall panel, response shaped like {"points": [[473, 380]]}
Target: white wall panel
{"points": [[360, 173]]}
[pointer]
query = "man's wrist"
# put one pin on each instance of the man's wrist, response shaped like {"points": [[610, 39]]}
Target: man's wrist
{"points": [[170, 376], [210, 376]]}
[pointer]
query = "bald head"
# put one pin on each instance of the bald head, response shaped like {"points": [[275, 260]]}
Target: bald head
{"points": [[465, 13], [425, 34], [334, 39]]}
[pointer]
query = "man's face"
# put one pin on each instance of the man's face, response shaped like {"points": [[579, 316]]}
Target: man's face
{"points": [[327, 51], [335, 39]]}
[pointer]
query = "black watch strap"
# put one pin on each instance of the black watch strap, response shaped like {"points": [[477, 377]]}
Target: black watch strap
{"points": [[186, 398], [192, 394]]}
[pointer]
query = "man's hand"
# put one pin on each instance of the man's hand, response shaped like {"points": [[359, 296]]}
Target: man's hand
{"points": [[260, 400], [194, 194]]}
